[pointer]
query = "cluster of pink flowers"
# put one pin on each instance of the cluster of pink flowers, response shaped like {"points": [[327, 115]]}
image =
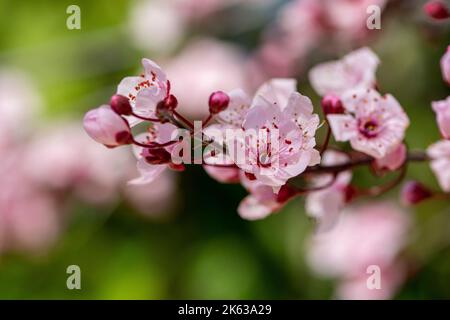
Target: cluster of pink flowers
{"points": [[272, 148], [267, 143]]}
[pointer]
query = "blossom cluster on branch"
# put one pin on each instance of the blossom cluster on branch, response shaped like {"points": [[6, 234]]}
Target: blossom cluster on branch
{"points": [[267, 142]]}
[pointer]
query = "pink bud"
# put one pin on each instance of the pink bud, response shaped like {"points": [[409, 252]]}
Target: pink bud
{"points": [[436, 9], [218, 101], [120, 104], [414, 192], [107, 127], [331, 104]]}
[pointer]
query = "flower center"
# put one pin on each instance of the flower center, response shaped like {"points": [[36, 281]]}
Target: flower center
{"points": [[369, 128]]}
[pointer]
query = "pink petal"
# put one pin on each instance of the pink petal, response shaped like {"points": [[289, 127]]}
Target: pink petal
{"points": [[394, 159], [151, 69]]}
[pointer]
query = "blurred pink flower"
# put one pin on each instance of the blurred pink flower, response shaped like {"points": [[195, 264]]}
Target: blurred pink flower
{"points": [[53, 160], [287, 146], [371, 235], [354, 71], [355, 288], [107, 127], [20, 103], [281, 53], [325, 205], [374, 124], [347, 20], [442, 109], [445, 66], [414, 192], [439, 152], [29, 216], [203, 67], [393, 160], [197, 10], [156, 25], [237, 109]]}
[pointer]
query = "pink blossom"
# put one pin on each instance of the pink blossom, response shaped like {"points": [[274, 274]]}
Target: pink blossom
{"points": [[325, 205], [20, 104], [52, 159], [439, 152], [365, 236], [347, 20], [371, 234], [414, 192], [354, 71], [107, 127], [373, 124], [152, 162], [281, 127], [157, 26], [442, 109], [355, 288], [393, 160], [445, 66], [29, 216], [234, 114], [204, 66], [145, 91]]}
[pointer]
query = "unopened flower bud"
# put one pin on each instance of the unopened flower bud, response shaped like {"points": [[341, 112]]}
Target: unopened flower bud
{"points": [[218, 101], [414, 192], [331, 104], [120, 104], [436, 9], [107, 127]]}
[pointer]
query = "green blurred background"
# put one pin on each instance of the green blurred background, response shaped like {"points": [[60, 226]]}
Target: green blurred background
{"points": [[203, 249]]}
